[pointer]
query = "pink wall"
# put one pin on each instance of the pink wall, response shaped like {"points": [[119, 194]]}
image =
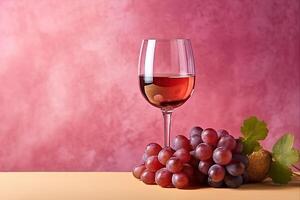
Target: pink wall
{"points": [[69, 95]]}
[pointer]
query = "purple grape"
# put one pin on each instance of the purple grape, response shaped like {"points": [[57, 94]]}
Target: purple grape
{"points": [[195, 140], [138, 170], [152, 149], [233, 181], [165, 154], [152, 164], [174, 165], [215, 184], [180, 180], [235, 169], [216, 173], [240, 158], [148, 177], [180, 141], [196, 131], [203, 151], [204, 166], [227, 142], [222, 133], [163, 178], [222, 156], [210, 136], [183, 155]]}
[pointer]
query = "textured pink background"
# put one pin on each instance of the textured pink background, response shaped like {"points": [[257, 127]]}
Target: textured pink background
{"points": [[69, 95]]}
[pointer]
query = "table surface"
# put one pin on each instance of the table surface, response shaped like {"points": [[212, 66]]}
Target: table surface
{"points": [[122, 185]]}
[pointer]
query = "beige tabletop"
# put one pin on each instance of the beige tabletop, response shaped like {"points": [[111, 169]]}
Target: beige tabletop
{"points": [[122, 185]]}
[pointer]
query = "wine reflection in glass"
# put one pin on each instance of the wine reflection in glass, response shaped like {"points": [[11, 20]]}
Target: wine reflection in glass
{"points": [[166, 75]]}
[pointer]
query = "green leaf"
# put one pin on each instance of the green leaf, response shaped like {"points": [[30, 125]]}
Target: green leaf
{"points": [[283, 151], [250, 146], [280, 173], [253, 130]]}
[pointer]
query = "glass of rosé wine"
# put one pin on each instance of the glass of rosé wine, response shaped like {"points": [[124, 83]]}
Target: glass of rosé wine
{"points": [[166, 75]]}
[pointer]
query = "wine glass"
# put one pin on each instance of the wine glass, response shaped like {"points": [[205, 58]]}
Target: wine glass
{"points": [[166, 75]]}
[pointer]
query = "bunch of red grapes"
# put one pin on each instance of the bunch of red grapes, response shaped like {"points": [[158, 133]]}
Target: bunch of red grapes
{"points": [[208, 157]]}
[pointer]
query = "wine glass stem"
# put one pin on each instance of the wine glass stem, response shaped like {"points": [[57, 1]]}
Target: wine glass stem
{"points": [[167, 126]]}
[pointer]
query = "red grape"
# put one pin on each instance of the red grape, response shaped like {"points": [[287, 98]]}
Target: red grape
{"points": [[163, 178], [222, 133], [227, 142], [196, 131], [152, 149], [209, 157], [222, 156], [204, 166], [239, 146], [148, 177], [210, 136], [165, 154], [188, 170], [183, 155], [138, 170], [174, 165], [216, 173], [180, 141], [235, 169], [180, 180], [195, 140], [203, 151], [152, 164]]}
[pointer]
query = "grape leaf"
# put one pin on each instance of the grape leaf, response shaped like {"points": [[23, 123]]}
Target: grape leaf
{"points": [[283, 151], [250, 146], [253, 130], [280, 173]]}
